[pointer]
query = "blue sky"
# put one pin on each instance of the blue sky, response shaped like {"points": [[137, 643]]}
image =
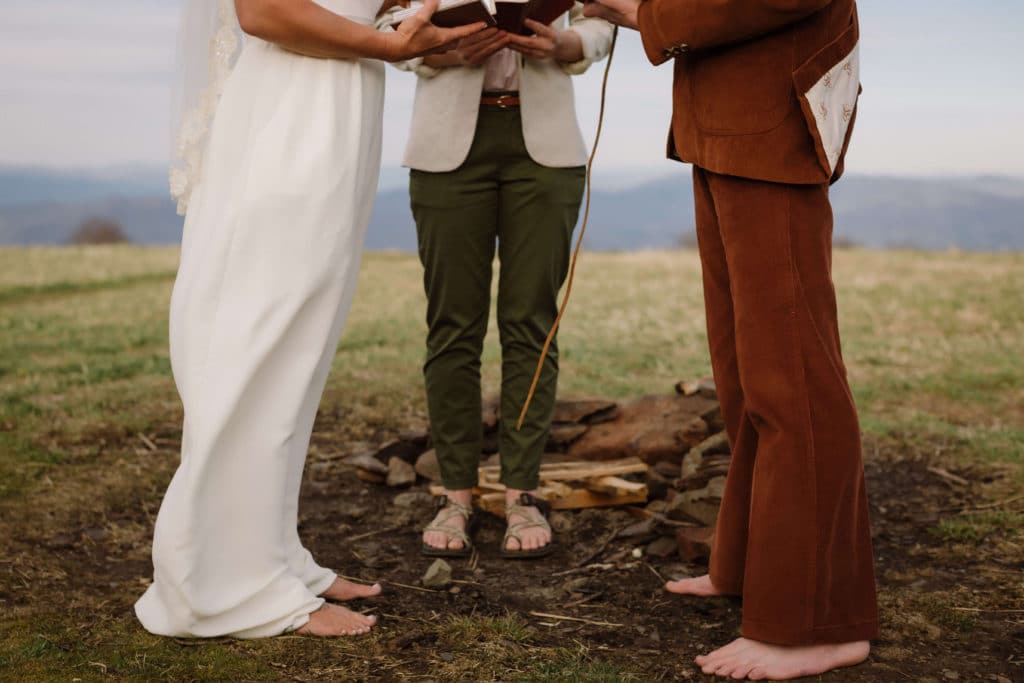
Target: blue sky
{"points": [[87, 82]]}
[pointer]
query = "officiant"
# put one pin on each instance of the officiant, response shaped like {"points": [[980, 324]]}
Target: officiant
{"points": [[497, 162]]}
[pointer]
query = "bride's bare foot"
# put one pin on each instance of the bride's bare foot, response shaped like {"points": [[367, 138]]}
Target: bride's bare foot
{"points": [[700, 586], [331, 621], [750, 659], [343, 591]]}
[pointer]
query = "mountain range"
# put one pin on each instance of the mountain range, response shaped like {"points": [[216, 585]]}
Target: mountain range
{"points": [[976, 213]]}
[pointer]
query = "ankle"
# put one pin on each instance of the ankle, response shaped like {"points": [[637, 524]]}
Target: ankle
{"points": [[460, 496]]}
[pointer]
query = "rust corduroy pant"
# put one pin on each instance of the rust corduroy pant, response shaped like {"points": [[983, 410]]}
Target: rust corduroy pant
{"points": [[793, 534]]}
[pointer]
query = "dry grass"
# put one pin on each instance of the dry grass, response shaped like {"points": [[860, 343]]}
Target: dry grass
{"points": [[933, 344]]}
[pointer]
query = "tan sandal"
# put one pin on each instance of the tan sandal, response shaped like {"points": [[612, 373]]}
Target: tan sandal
{"points": [[520, 508], [450, 509]]}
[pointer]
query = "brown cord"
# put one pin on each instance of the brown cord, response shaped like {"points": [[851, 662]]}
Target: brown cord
{"points": [[579, 242]]}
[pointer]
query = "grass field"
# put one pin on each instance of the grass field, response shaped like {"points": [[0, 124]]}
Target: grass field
{"points": [[935, 349]]}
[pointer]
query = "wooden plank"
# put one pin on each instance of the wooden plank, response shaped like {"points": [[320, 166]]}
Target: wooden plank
{"points": [[615, 486], [576, 471], [581, 498]]}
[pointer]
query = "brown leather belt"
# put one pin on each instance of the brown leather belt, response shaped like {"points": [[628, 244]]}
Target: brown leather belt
{"points": [[502, 100]]}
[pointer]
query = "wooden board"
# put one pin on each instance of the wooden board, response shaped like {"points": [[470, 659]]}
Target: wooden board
{"points": [[576, 471]]}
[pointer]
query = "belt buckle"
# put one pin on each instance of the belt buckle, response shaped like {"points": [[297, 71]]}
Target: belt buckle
{"points": [[502, 101]]}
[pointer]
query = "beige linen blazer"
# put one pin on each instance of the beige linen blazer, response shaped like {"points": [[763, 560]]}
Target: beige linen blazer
{"points": [[448, 101]]}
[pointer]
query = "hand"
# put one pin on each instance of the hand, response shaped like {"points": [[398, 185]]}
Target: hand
{"points": [[416, 36], [548, 43], [620, 12], [477, 48]]}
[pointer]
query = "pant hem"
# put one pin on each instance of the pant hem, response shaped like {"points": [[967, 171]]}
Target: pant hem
{"points": [[777, 634], [521, 485]]}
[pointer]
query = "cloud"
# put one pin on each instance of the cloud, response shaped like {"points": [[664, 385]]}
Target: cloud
{"points": [[88, 83]]}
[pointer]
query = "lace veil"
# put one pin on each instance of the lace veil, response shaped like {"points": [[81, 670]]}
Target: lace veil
{"points": [[209, 42]]}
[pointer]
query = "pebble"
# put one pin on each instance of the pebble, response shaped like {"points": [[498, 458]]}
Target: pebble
{"points": [[439, 575]]}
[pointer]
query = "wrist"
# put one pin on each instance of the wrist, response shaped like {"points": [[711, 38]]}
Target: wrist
{"points": [[385, 47], [568, 47]]}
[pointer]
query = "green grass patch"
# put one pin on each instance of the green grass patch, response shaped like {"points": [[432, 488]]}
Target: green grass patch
{"points": [[979, 527]]}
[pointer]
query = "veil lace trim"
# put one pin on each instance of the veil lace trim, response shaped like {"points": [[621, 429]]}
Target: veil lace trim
{"points": [[198, 107]]}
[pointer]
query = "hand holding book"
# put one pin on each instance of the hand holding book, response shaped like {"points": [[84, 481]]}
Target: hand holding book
{"points": [[507, 15], [548, 43]]}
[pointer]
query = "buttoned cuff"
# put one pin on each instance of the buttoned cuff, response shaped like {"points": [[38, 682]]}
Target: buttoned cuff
{"points": [[658, 48]]}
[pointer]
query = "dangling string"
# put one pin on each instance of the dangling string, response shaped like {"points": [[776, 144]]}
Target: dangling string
{"points": [[579, 241]]}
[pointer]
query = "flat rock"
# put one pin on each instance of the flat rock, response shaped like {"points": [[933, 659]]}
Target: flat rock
{"points": [[562, 435], [699, 506], [367, 462], [427, 467], [438, 575], [693, 432], [400, 473], [694, 543], [647, 427], [662, 547], [413, 499], [591, 411]]}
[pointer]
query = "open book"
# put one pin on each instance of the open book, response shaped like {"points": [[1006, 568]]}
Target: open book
{"points": [[508, 15]]}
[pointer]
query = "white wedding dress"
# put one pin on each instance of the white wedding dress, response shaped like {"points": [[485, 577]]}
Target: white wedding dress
{"points": [[270, 257]]}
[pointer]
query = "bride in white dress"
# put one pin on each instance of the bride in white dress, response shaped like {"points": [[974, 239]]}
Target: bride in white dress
{"points": [[278, 174]]}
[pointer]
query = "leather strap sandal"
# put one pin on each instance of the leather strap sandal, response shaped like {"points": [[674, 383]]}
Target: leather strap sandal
{"points": [[521, 509], [448, 509]]}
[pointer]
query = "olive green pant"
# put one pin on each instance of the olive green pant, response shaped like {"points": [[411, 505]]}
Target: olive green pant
{"points": [[498, 195]]}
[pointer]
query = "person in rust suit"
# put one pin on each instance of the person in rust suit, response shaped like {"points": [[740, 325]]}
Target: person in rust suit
{"points": [[765, 97]]}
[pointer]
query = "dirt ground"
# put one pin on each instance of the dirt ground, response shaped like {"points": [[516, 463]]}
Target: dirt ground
{"points": [[950, 582]]}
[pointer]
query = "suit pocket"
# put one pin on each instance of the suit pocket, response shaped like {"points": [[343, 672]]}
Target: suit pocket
{"points": [[828, 87], [743, 89]]}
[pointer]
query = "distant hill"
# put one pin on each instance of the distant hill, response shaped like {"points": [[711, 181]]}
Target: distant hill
{"points": [[38, 206]]}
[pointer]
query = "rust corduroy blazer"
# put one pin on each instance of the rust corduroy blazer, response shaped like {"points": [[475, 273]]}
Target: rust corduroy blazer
{"points": [[764, 89]]}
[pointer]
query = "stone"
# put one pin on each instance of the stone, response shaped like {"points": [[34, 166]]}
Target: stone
{"points": [[657, 484], [698, 506], [413, 499], [647, 427], [666, 469], [400, 473], [427, 467], [438, 576], [662, 547], [491, 414], [563, 435], [367, 462], [641, 528], [406, 450], [694, 543], [693, 432], [586, 412]]}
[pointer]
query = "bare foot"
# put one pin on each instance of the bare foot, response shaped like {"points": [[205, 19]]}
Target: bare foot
{"points": [[700, 586], [343, 591], [532, 537], [750, 659], [334, 620], [447, 518]]}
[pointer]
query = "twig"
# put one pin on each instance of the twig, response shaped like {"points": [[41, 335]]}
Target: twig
{"points": [[580, 570], [600, 549], [368, 534], [148, 442], [985, 506], [949, 476], [660, 577], [412, 588], [560, 617]]}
